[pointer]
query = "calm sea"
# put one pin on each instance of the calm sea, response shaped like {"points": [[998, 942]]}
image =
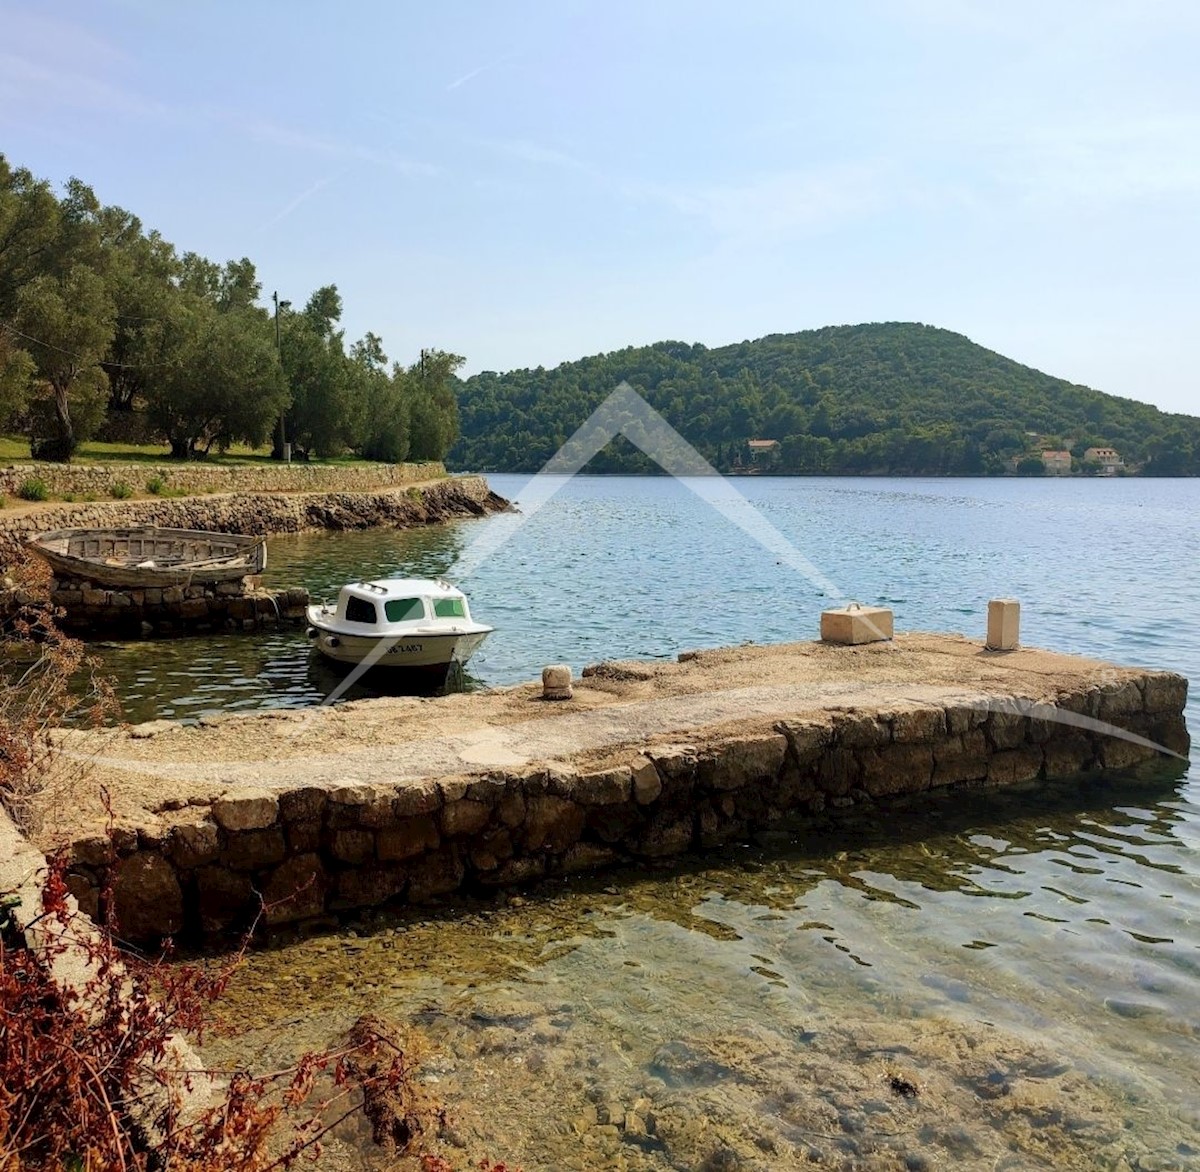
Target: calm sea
{"points": [[1031, 960]]}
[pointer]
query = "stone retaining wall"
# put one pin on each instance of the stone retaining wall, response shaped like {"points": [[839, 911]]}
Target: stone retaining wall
{"points": [[166, 610], [197, 478], [263, 512], [310, 850]]}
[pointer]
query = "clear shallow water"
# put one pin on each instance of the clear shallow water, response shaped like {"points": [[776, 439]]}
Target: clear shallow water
{"points": [[640, 567], [1031, 960]]}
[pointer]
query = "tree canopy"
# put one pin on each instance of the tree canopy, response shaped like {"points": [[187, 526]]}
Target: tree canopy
{"points": [[883, 398], [105, 329]]}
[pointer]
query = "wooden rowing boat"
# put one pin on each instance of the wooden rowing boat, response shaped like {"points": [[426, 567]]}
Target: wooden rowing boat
{"points": [[151, 556]]}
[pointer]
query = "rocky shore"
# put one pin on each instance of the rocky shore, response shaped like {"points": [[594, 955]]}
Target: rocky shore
{"points": [[404, 799], [421, 503]]}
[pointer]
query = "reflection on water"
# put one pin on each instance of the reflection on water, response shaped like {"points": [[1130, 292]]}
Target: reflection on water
{"points": [[1027, 961]]}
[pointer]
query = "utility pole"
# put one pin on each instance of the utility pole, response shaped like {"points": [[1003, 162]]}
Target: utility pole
{"points": [[284, 452]]}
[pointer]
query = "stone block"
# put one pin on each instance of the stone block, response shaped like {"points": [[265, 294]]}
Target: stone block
{"points": [[302, 805], [295, 890], [666, 835], [1120, 699], [1165, 692], [95, 597], [194, 844], [858, 730], [224, 898], [193, 608], [367, 887], [172, 595], [604, 787], [897, 769], [246, 809], [612, 824], [1005, 729], [647, 784], [521, 870], [1068, 755], [855, 624], [407, 839], [1117, 753], [588, 856], [954, 769], [255, 850], [353, 846], [153, 596], [418, 797], [1003, 624], [439, 873], [919, 724], [495, 848], [147, 897], [556, 682], [808, 739], [839, 771], [740, 761], [1014, 766], [464, 818], [512, 808], [551, 823], [304, 836]]}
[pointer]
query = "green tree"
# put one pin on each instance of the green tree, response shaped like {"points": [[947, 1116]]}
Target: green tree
{"points": [[68, 324], [226, 387]]}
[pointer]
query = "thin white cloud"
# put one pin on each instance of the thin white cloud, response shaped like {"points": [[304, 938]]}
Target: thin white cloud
{"points": [[266, 131], [292, 204]]}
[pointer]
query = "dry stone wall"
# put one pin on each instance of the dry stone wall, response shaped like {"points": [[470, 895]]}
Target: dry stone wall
{"points": [[263, 512], [83, 480], [309, 851]]}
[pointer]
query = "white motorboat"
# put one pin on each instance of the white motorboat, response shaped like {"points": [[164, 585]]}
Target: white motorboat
{"points": [[410, 623]]}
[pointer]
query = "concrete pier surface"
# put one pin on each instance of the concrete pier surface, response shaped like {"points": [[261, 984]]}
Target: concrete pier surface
{"points": [[402, 798]]}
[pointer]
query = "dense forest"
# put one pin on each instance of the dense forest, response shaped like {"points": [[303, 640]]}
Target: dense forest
{"points": [[106, 331], [886, 398]]}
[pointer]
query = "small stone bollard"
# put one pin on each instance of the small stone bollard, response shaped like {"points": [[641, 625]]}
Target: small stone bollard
{"points": [[1004, 624], [556, 682]]}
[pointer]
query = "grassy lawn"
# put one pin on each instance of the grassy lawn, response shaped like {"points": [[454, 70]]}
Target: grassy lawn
{"points": [[15, 450]]}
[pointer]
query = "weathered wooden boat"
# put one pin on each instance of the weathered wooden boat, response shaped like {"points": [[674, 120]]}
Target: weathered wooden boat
{"points": [[151, 556], [405, 624]]}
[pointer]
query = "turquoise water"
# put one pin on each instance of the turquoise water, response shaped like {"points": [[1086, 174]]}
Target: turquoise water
{"points": [[1030, 960]]}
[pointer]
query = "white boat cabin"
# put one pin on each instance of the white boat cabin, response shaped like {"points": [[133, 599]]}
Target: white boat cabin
{"points": [[406, 603]]}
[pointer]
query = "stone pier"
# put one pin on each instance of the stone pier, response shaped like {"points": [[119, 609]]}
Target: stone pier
{"points": [[341, 808]]}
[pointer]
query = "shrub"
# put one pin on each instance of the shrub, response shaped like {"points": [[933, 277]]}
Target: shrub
{"points": [[156, 485], [34, 489], [120, 490], [70, 497]]}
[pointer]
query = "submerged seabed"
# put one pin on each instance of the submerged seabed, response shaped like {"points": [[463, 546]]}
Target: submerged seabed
{"points": [[971, 981]]}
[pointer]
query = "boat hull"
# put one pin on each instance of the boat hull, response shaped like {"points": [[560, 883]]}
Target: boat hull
{"points": [[410, 652], [110, 557]]}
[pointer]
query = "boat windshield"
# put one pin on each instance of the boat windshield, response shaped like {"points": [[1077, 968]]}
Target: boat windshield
{"points": [[359, 610], [449, 608], [403, 610]]}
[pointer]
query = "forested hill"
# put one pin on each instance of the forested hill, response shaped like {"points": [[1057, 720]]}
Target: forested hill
{"points": [[892, 397]]}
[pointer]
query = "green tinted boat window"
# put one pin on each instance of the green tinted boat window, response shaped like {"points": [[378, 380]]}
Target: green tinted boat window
{"points": [[402, 610], [449, 608]]}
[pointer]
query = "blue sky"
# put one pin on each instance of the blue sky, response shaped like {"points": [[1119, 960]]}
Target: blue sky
{"points": [[525, 183]]}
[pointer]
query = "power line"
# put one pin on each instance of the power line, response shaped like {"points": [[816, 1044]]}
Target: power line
{"points": [[79, 357]]}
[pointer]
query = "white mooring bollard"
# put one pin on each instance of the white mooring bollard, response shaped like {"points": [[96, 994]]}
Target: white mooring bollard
{"points": [[556, 682], [1004, 624]]}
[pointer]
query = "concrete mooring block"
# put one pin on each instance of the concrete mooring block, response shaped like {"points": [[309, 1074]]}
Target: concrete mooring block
{"points": [[856, 624], [1004, 624], [556, 682]]}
